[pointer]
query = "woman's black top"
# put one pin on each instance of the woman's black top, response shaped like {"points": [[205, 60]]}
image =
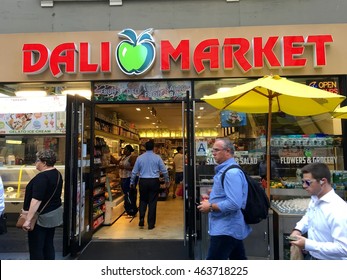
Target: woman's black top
{"points": [[41, 187]]}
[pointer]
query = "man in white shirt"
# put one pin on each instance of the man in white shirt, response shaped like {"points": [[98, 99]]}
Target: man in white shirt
{"points": [[178, 167], [325, 221]]}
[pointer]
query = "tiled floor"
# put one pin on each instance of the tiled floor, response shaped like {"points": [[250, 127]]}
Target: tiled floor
{"points": [[169, 225]]}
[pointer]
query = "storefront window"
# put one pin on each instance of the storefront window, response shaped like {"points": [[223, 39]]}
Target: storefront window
{"points": [[295, 142]]}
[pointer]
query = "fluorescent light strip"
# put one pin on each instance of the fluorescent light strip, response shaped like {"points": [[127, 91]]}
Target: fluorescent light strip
{"points": [[31, 93]]}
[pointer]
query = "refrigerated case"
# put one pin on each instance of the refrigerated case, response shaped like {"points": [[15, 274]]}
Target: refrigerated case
{"points": [[108, 198], [15, 179], [114, 196]]}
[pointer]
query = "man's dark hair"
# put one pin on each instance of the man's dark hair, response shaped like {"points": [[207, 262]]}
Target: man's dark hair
{"points": [[318, 170], [179, 149], [129, 148], [149, 145]]}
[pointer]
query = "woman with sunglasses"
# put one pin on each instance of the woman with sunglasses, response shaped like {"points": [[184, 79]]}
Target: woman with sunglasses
{"points": [[325, 221]]}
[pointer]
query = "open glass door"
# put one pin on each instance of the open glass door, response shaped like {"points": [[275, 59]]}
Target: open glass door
{"points": [[77, 213], [191, 214]]}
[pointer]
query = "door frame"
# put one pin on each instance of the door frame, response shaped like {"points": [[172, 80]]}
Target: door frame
{"points": [[74, 241], [192, 214]]}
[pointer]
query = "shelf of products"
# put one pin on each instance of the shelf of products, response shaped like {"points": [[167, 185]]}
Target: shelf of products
{"points": [[118, 129], [99, 199], [101, 152], [107, 196], [114, 196], [113, 188], [107, 193]]}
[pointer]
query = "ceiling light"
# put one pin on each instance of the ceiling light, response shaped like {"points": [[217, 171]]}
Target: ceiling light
{"points": [[30, 93], [86, 93], [15, 142], [138, 109], [201, 108], [223, 89], [147, 118]]}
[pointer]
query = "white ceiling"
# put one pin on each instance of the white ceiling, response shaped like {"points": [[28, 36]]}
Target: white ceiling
{"points": [[168, 115]]}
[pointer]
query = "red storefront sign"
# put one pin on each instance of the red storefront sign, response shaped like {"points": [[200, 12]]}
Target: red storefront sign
{"points": [[71, 57]]}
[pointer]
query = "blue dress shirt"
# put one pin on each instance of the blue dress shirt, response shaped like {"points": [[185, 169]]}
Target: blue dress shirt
{"points": [[229, 199], [149, 165]]}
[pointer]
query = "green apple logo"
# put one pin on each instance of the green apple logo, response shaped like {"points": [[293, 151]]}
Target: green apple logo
{"points": [[135, 55]]}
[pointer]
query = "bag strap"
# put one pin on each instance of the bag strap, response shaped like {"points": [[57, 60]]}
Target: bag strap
{"points": [[52, 194], [227, 169]]}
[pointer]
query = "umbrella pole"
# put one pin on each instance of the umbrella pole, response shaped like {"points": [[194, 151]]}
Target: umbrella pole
{"points": [[268, 150]]}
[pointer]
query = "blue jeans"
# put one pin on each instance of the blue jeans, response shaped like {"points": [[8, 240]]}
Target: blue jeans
{"points": [[224, 247]]}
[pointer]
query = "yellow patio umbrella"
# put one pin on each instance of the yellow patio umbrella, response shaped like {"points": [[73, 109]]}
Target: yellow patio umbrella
{"points": [[272, 94], [340, 113]]}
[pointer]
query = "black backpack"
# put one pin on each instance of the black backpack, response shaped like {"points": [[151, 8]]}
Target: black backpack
{"points": [[257, 204]]}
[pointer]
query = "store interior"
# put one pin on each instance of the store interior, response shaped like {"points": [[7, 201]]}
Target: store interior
{"points": [[162, 122]]}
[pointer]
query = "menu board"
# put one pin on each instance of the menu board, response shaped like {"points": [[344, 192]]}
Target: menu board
{"points": [[141, 91], [33, 123]]}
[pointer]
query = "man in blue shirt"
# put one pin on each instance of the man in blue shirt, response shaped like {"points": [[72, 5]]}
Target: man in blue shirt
{"points": [[227, 227], [148, 167]]}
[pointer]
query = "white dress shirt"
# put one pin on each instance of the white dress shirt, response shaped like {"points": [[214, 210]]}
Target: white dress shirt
{"points": [[326, 225]]}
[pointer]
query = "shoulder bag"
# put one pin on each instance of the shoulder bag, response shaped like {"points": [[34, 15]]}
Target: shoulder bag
{"points": [[23, 215]]}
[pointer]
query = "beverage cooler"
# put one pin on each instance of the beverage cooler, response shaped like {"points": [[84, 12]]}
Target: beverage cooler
{"points": [[67, 129]]}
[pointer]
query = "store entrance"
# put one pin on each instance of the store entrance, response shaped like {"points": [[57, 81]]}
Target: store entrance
{"points": [[134, 124]]}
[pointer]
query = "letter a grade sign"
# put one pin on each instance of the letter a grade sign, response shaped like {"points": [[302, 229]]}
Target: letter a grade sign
{"points": [[201, 148]]}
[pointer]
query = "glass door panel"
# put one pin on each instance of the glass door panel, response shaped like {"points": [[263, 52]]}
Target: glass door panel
{"points": [[78, 176]]}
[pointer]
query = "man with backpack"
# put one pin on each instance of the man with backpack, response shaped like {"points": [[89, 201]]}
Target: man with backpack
{"points": [[227, 227]]}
